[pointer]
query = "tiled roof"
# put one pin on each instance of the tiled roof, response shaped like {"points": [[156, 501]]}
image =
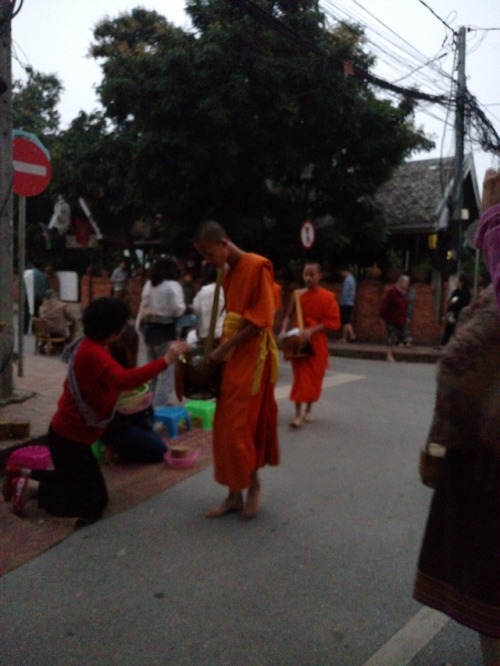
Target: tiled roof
{"points": [[414, 198]]}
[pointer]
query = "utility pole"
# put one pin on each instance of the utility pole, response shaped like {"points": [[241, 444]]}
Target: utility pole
{"points": [[6, 208], [456, 197]]}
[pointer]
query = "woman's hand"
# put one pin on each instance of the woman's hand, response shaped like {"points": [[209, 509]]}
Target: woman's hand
{"points": [[175, 350]]}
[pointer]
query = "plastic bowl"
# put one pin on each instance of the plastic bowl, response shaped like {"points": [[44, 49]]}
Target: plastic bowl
{"points": [[182, 463], [131, 402]]}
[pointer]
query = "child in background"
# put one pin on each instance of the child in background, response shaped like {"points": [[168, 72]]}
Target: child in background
{"points": [[320, 312], [130, 434]]}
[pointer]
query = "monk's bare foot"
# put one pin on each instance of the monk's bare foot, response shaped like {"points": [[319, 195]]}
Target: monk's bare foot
{"points": [[232, 503], [296, 423], [308, 417], [253, 503]]}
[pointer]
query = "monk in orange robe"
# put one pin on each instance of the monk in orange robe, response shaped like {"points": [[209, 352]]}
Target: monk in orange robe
{"points": [[245, 429], [319, 313]]}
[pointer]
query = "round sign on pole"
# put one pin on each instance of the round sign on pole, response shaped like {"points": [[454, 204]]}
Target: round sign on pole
{"points": [[307, 234], [31, 165]]}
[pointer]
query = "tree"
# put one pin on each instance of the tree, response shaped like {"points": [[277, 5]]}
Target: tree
{"points": [[34, 103], [253, 121]]}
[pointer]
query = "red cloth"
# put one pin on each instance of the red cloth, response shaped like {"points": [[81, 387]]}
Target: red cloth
{"points": [[394, 307], [319, 306], [83, 231], [246, 426], [101, 380]]}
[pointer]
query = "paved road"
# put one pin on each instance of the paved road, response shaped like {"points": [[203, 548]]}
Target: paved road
{"points": [[322, 577]]}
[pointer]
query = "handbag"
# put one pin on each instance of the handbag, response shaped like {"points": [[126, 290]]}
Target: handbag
{"points": [[195, 379], [431, 463], [293, 343]]}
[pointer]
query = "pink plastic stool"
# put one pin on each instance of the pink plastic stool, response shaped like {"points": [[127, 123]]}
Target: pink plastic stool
{"points": [[33, 457]]}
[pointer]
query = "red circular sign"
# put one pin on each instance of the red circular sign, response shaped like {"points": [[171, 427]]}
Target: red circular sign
{"points": [[32, 168]]}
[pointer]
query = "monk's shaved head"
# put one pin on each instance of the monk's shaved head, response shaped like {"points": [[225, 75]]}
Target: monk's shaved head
{"points": [[314, 264], [210, 232]]}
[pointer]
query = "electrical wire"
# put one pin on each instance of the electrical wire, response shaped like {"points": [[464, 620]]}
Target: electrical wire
{"points": [[402, 59], [436, 15]]}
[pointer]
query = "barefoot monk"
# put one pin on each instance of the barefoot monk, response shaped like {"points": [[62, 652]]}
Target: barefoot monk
{"points": [[245, 423]]}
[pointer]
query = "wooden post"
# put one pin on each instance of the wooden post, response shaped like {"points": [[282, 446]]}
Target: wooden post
{"points": [[6, 214]]}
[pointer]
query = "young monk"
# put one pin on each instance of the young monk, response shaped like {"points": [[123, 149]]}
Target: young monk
{"points": [[245, 422], [320, 312]]}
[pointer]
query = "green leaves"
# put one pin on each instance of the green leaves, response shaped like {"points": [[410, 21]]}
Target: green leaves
{"points": [[226, 122]]}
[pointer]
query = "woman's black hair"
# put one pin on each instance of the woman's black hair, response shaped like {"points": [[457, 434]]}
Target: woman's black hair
{"points": [[104, 317], [163, 269], [126, 348], [208, 274]]}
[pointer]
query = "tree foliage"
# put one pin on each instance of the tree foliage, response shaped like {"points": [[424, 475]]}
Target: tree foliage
{"points": [[34, 103], [225, 122], [249, 119]]}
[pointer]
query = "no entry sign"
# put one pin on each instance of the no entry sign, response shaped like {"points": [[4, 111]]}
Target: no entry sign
{"points": [[31, 164], [307, 234]]}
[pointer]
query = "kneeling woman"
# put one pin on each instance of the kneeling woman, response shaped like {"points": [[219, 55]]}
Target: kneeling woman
{"points": [[76, 486]]}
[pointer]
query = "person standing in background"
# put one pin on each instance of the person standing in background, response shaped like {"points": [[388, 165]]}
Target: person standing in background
{"points": [[202, 307], [347, 300], [162, 303], [394, 312], [119, 281]]}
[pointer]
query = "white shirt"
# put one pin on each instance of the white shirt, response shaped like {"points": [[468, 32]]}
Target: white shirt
{"points": [[164, 300], [202, 307]]}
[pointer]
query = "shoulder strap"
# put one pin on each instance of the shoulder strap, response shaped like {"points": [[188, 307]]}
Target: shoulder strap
{"points": [[87, 412], [298, 309], [209, 342]]}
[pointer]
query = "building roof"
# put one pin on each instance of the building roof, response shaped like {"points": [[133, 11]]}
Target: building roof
{"points": [[414, 199]]}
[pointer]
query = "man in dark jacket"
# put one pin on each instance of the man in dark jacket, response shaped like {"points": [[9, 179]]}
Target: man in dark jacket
{"points": [[394, 312]]}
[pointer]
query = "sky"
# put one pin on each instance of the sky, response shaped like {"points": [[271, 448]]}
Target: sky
{"points": [[53, 36]]}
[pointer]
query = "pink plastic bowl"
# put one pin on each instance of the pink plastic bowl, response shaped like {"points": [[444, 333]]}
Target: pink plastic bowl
{"points": [[182, 463], [33, 457]]}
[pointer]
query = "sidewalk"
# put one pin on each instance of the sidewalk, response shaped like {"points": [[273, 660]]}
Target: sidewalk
{"points": [[44, 376], [412, 354]]}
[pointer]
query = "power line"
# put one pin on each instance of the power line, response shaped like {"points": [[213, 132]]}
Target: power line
{"points": [[362, 74], [481, 128], [436, 15]]}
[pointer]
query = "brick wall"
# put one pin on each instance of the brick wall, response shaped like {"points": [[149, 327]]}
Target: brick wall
{"points": [[95, 287], [366, 320], [367, 323], [370, 328]]}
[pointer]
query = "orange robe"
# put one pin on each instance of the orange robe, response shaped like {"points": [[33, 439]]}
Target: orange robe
{"points": [[319, 306], [245, 431]]}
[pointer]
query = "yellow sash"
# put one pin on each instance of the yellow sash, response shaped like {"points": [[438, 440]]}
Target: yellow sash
{"points": [[233, 323]]}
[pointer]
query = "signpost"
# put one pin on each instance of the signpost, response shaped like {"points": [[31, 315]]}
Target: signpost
{"points": [[32, 174], [307, 234]]}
